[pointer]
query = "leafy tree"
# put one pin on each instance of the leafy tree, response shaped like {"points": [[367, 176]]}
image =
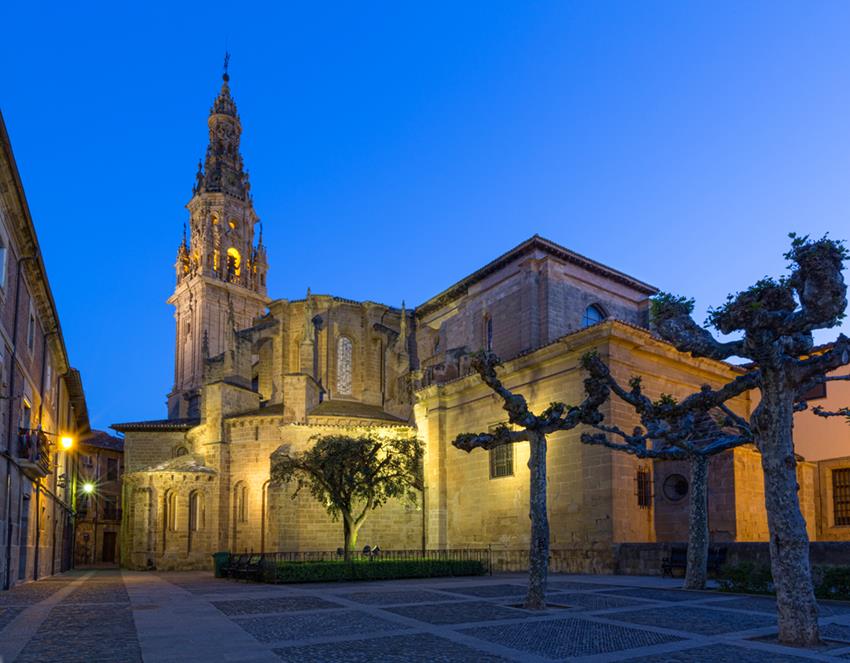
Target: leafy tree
{"points": [[351, 476], [774, 320], [532, 428], [692, 430]]}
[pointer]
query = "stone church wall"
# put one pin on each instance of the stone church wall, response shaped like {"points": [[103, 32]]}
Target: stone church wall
{"points": [[593, 500]]}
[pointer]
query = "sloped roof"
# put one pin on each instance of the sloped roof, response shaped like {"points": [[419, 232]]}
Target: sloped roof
{"points": [[533, 243], [157, 425], [352, 409], [103, 440], [184, 463]]}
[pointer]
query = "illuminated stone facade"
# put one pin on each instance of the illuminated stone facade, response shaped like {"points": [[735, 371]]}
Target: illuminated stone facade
{"points": [[253, 374]]}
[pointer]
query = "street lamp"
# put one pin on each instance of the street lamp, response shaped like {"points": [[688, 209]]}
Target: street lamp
{"points": [[88, 487], [67, 442]]}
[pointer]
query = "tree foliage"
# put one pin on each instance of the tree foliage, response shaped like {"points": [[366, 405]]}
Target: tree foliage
{"points": [[525, 425], [692, 430], [353, 475], [773, 321]]}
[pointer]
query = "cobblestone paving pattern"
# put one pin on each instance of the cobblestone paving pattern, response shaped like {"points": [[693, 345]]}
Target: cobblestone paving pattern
{"points": [[96, 591], [720, 654], [299, 626], [31, 593], [662, 594], [458, 613], [414, 648], [695, 620], [561, 638], [488, 590], [107, 616], [768, 605], [8, 614], [596, 601], [399, 598], [280, 604], [579, 586], [85, 634]]}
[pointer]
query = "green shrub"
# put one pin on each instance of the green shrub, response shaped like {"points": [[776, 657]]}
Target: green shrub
{"points": [[832, 582], [746, 578], [389, 569]]}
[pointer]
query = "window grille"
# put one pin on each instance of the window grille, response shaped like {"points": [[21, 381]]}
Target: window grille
{"points": [[644, 488], [841, 496], [502, 461]]}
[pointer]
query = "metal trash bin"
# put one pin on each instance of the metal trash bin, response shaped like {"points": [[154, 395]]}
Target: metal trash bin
{"points": [[220, 560]]}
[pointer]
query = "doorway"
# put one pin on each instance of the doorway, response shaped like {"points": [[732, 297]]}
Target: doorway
{"points": [[109, 539]]}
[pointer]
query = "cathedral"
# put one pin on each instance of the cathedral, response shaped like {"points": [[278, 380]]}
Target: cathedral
{"points": [[253, 375]]}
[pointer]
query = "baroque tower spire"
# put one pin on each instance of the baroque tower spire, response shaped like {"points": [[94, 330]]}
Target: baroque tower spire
{"points": [[219, 261]]}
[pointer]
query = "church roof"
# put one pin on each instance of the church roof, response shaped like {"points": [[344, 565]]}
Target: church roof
{"points": [[352, 409], [157, 425], [184, 463], [103, 440], [535, 242]]}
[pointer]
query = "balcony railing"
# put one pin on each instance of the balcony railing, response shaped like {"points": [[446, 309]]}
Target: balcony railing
{"points": [[33, 452]]}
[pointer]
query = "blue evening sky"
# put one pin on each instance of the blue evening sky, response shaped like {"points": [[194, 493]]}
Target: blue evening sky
{"points": [[396, 147]]}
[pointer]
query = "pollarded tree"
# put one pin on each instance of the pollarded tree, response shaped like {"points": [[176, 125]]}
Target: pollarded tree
{"points": [[775, 320], [351, 476], [532, 428], [692, 430]]}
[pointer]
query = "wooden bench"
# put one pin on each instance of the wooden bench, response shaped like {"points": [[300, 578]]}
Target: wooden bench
{"points": [[254, 568], [235, 562]]}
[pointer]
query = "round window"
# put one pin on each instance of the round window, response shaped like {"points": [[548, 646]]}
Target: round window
{"points": [[675, 487]]}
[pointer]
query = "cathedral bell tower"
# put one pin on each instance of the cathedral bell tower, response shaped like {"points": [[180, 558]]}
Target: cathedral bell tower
{"points": [[221, 273]]}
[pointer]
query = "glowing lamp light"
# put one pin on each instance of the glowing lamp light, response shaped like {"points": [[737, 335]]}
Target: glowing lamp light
{"points": [[88, 487], [67, 442]]}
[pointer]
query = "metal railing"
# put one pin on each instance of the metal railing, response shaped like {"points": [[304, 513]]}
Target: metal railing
{"points": [[34, 449], [368, 553]]}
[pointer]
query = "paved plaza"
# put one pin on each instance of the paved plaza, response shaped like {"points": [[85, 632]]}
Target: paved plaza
{"points": [[109, 615]]}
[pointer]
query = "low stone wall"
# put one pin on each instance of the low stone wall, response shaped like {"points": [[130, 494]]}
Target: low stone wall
{"points": [[579, 559], [646, 558]]}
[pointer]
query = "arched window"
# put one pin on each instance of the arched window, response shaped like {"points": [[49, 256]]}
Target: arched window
{"points": [[234, 263], [232, 223], [180, 451], [241, 502], [343, 365], [593, 314], [169, 517], [488, 333], [196, 511]]}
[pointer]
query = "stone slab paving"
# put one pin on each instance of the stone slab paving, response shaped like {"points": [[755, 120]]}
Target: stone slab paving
{"points": [[488, 590], [569, 637], [721, 654], [597, 601], [703, 621], [459, 613], [653, 594], [302, 626], [126, 617], [277, 604], [413, 648], [399, 597]]}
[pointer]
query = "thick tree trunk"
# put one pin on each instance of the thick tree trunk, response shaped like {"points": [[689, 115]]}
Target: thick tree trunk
{"points": [[697, 570], [350, 534], [789, 541], [538, 562]]}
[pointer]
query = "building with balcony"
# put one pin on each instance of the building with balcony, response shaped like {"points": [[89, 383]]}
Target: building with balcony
{"points": [[100, 463], [41, 399]]}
